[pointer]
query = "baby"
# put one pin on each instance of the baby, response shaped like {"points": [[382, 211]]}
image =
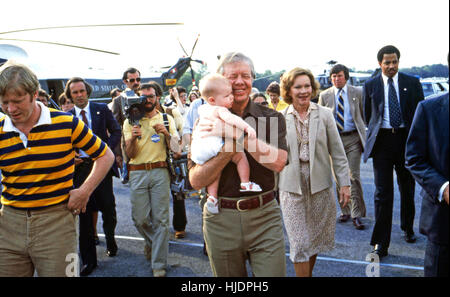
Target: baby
{"points": [[216, 90]]}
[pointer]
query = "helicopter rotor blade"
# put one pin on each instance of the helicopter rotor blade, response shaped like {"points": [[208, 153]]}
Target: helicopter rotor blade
{"points": [[62, 44], [89, 26], [195, 44], [182, 47]]}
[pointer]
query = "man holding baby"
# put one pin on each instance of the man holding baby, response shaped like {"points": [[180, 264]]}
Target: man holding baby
{"points": [[248, 225]]}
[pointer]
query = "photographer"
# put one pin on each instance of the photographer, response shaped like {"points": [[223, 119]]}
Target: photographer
{"points": [[179, 219], [146, 145], [132, 79]]}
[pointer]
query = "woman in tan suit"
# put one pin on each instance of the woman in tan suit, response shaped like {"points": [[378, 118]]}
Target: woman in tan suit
{"points": [[306, 195]]}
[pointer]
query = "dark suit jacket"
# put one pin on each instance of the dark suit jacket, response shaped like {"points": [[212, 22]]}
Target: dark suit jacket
{"points": [[411, 94], [103, 122], [427, 157]]}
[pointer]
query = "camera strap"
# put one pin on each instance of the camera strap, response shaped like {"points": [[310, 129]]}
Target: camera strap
{"points": [[166, 121], [168, 152]]}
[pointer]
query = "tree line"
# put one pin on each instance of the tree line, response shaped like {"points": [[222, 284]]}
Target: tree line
{"points": [[435, 70]]}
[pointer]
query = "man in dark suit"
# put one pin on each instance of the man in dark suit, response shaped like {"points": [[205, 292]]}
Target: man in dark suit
{"points": [[103, 124], [390, 100], [427, 157], [132, 79]]}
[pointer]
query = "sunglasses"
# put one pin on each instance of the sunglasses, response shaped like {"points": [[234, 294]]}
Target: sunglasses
{"points": [[264, 103], [132, 80]]}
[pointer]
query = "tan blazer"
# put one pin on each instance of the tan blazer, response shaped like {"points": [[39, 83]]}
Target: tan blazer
{"points": [[324, 142], [327, 98]]}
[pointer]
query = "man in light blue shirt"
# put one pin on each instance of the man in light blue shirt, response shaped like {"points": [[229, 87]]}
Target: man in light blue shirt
{"points": [[189, 119]]}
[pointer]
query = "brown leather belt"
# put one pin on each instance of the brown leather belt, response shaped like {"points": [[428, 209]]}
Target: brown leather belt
{"points": [[247, 203], [147, 166]]}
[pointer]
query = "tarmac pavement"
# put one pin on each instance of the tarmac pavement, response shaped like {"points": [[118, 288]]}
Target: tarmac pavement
{"points": [[186, 258]]}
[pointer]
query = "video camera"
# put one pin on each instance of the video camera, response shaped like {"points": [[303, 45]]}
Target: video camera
{"points": [[133, 106], [180, 185]]}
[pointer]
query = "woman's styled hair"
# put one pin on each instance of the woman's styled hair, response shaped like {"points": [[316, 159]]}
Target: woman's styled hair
{"points": [[274, 87], [288, 78]]}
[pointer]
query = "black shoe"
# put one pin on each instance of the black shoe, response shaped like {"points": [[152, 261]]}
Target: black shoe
{"points": [[409, 236], [111, 248], [380, 251], [111, 252], [87, 269]]}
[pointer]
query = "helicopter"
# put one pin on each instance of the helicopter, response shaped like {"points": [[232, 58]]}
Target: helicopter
{"points": [[54, 83]]}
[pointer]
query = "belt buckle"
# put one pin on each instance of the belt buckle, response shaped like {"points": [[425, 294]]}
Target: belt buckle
{"points": [[148, 166], [238, 207]]}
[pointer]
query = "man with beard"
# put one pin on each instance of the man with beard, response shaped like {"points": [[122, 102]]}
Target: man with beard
{"points": [[146, 145], [179, 219], [132, 79]]}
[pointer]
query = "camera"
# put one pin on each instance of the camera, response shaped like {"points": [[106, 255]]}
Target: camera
{"points": [[133, 106], [180, 185]]}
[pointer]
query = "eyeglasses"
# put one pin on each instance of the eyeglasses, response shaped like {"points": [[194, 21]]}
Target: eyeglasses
{"points": [[150, 96], [264, 103], [132, 80]]}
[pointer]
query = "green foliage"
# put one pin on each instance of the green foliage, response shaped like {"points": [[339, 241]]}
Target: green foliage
{"points": [[186, 79], [435, 70]]}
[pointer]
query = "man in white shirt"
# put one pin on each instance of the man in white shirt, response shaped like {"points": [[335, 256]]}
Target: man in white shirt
{"points": [[390, 100], [99, 118], [346, 102]]}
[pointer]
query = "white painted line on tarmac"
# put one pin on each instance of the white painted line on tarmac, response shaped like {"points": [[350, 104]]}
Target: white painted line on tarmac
{"points": [[287, 254], [367, 263]]}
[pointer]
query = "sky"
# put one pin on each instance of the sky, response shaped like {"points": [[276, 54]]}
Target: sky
{"points": [[276, 35]]}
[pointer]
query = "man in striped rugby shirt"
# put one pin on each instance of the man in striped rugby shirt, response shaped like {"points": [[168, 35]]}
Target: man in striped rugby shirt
{"points": [[40, 207]]}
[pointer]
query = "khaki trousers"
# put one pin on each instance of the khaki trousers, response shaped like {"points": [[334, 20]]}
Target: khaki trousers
{"points": [[353, 149], [45, 240], [150, 199], [232, 237]]}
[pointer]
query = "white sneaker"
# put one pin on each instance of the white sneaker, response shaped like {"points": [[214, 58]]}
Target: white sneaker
{"points": [[212, 204], [250, 187]]}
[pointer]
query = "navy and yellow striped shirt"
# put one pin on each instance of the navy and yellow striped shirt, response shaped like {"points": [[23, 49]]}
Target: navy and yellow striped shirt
{"points": [[37, 171]]}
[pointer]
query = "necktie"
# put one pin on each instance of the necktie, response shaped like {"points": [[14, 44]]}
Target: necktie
{"points": [[340, 112], [395, 114], [83, 115]]}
